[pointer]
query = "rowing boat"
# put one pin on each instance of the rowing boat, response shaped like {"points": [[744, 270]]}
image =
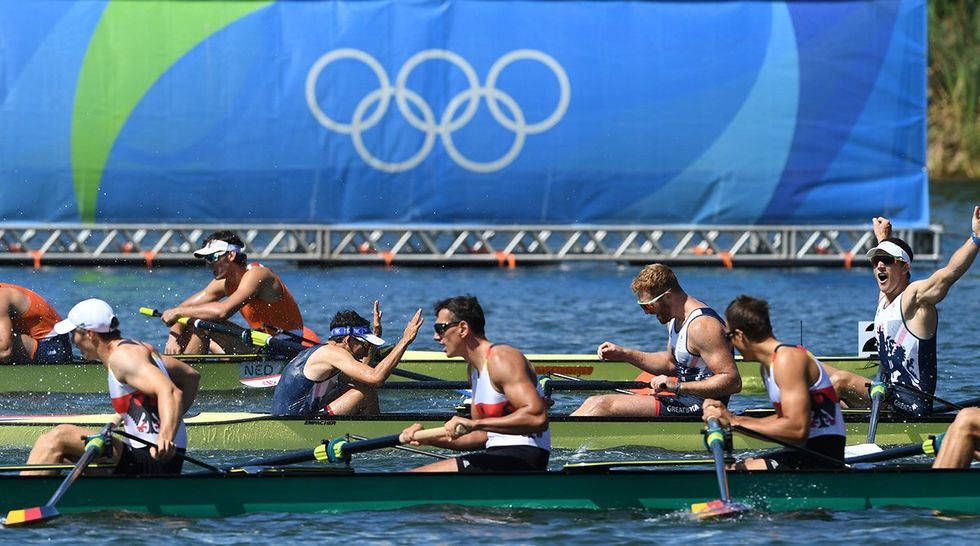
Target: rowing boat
{"points": [[249, 431], [225, 372], [341, 490]]}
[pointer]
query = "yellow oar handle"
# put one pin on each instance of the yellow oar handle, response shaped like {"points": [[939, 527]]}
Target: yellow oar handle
{"points": [[150, 312], [259, 338]]}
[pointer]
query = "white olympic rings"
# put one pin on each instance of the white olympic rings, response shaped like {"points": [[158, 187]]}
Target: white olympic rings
{"points": [[447, 123]]}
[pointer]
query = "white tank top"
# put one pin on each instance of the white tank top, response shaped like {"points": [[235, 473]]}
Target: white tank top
{"points": [[826, 418], [141, 416], [905, 358], [690, 367], [487, 402]]}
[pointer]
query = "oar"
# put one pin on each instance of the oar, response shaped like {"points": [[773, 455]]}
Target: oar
{"points": [[715, 438], [409, 449], [340, 449], [933, 397], [573, 378], [45, 467], [183, 456], [575, 384], [877, 391], [94, 447], [928, 447]]}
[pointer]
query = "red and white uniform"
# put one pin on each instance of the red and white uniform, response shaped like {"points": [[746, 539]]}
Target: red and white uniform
{"points": [[487, 402], [142, 418], [826, 418]]}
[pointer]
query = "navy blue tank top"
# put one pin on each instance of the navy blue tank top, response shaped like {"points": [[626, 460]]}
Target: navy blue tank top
{"points": [[297, 395]]}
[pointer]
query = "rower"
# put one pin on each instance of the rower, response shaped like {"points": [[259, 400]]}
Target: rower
{"points": [[906, 321], [808, 412], [508, 416], [698, 363], [255, 290], [337, 378], [27, 333], [961, 443], [149, 391]]}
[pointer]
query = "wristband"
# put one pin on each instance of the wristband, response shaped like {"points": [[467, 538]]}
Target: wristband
{"points": [[976, 240]]}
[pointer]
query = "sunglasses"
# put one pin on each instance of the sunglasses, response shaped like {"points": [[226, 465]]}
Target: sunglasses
{"points": [[729, 335], [887, 260], [653, 301], [441, 327], [212, 258]]}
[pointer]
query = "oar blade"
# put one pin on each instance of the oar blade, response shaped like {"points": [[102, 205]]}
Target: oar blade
{"points": [[717, 509], [30, 516]]}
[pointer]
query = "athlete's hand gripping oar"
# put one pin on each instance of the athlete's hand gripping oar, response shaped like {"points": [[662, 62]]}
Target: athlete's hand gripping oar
{"points": [[877, 390], [94, 447], [226, 329], [340, 449], [928, 447], [715, 438], [183, 456]]}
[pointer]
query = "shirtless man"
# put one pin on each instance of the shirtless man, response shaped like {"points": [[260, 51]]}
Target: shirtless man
{"points": [[336, 378], [508, 417], [27, 333], [906, 321], [808, 412], [698, 363], [255, 290], [149, 391]]}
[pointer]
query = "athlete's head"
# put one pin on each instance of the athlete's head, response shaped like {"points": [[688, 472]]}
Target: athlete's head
{"points": [[750, 316], [220, 243], [462, 308], [349, 323], [653, 280], [889, 252]]}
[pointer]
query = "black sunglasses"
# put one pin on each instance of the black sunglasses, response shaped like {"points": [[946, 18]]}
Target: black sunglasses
{"points": [[441, 327], [211, 258], [729, 335], [887, 260]]}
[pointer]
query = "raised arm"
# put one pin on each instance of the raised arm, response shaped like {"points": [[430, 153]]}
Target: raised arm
{"points": [[362, 373], [932, 290]]}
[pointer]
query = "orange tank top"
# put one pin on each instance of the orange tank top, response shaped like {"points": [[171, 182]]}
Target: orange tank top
{"points": [[283, 314], [39, 318]]}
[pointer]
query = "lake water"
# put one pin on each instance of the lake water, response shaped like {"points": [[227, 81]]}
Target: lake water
{"points": [[557, 309]]}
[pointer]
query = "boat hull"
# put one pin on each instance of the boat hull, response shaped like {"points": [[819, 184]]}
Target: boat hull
{"points": [[223, 373], [250, 431], [665, 490]]}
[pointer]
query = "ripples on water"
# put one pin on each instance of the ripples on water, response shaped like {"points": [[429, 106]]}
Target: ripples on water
{"points": [[558, 309]]}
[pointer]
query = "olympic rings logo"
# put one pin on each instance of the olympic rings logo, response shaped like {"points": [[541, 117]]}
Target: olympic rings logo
{"points": [[468, 101]]}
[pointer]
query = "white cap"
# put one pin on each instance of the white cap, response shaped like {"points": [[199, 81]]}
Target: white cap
{"points": [[888, 248], [360, 332], [215, 246], [92, 314]]}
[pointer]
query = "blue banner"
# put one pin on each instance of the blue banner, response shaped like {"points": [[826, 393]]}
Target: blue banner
{"points": [[798, 112]]}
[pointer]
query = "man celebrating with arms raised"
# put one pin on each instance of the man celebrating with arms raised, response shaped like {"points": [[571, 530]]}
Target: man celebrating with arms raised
{"points": [[807, 408], [149, 391], [508, 417], [697, 364], [907, 321]]}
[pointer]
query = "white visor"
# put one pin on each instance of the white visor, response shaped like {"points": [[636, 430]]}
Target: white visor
{"points": [[888, 248], [217, 246]]}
